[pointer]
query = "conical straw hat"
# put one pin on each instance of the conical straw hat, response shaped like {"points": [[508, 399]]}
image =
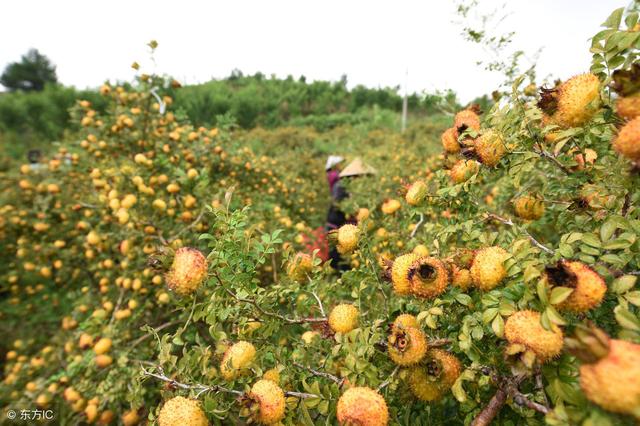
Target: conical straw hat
{"points": [[356, 168]]}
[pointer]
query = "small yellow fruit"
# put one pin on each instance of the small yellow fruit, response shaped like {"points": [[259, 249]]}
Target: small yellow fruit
{"points": [[421, 250], [528, 207], [463, 170], [300, 267], [390, 206], [188, 271], [272, 374], [627, 143], [103, 361], [461, 277], [578, 100], [466, 119], [102, 346], [407, 346], [179, 411], [417, 193], [343, 318], [588, 287], [269, 399], [432, 380], [449, 140], [490, 148], [487, 268], [309, 336], [130, 418], [93, 238], [405, 321], [237, 360], [524, 328], [628, 107], [362, 406], [400, 273], [347, 238], [429, 277]]}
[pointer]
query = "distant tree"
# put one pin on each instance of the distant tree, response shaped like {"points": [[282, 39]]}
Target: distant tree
{"points": [[32, 73]]}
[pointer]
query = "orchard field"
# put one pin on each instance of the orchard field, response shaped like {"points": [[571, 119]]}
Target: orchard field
{"points": [[157, 272]]}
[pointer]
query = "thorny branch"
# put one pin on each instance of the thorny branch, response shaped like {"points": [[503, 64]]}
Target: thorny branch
{"points": [[146, 336], [509, 222], [200, 388], [417, 227], [317, 373], [386, 382]]}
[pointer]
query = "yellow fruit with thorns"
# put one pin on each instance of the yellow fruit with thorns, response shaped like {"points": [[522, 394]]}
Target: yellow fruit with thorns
{"points": [[417, 193], [347, 237], [449, 140], [466, 119], [272, 374], [300, 267], [524, 329], [461, 277], [628, 107], [627, 143], [362, 406], [578, 100], [406, 321], [343, 318], [463, 170], [487, 268], [400, 273], [188, 271], [528, 207], [613, 380], [429, 277], [490, 148], [269, 401], [433, 379], [237, 359], [421, 250], [180, 411], [407, 346], [588, 286]]}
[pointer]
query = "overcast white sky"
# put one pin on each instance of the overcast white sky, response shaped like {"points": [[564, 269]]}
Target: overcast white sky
{"points": [[373, 42]]}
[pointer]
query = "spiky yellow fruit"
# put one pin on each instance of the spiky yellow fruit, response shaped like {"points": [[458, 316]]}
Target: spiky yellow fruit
{"points": [[487, 268], [188, 271], [347, 238], [237, 359], [272, 374], [463, 170], [179, 411], [269, 398], [343, 318], [627, 143], [362, 406], [490, 147], [407, 346], [429, 277], [433, 380], [613, 382], [406, 321], [528, 207], [628, 107], [461, 277], [578, 100], [421, 250], [417, 193], [588, 286], [466, 119], [300, 267], [449, 140], [390, 206], [524, 328], [400, 273]]}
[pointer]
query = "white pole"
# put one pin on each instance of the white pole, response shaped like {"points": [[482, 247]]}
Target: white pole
{"points": [[404, 101]]}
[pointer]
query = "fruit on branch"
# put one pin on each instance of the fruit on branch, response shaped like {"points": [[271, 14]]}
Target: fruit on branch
{"points": [[400, 273], [428, 276], [405, 321], [188, 271], [574, 102], [343, 318], [102, 346], [417, 193], [347, 238], [449, 140], [463, 170], [432, 379], [268, 402], [490, 147], [528, 207], [466, 119], [421, 250], [272, 374], [406, 345], [487, 268], [628, 107], [588, 286], [362, 406], [300, 267], [461, 277], [390, 206], [237, 360], [610, 370], [524, 332], [180, 411], [627, 143]]}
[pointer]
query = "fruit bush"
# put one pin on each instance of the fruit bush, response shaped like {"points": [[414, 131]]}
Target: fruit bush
{"points": [[154, 270]]}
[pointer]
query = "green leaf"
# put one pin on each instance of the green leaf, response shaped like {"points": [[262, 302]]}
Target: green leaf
{"points": [[541, 289], [633, 297], [626, 319], [463, 299], [591, 240], [489, 315], [498, 325], [607, 230], [631, 20], [623, 284], [559, 294], [613, 21], [554, 316]]}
